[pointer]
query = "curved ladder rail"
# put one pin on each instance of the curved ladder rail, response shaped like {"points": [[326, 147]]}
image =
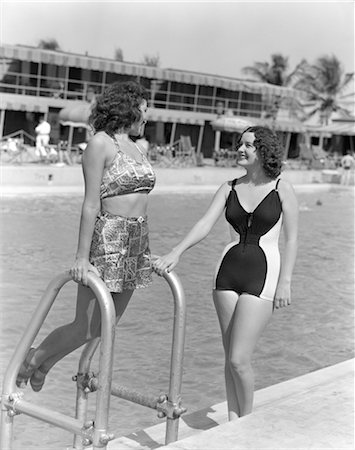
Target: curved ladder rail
{"points": [[85, 432], [166, 405], [12, 401]]}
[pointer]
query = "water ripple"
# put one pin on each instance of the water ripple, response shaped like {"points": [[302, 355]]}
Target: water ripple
{"points": [[39, 240]]}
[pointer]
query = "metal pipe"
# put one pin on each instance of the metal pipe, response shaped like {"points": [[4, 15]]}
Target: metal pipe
{"points": [[108, 324], [177, 353], [47, 415], [81, 394], [148, 400]]}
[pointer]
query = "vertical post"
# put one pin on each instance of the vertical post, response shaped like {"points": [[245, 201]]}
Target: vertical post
{"points": [[39, 78], [287, 144], [321, 140], [177, 353], [172, 136], [7, 423], [2, 122], [196, 97], [108, 325], [81, 395], [199, 156], [217, 141], [70, 138], [200, 136]]}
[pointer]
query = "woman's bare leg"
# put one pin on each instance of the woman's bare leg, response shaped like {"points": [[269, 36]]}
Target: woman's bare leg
{"points": [[250, 319], [225, 303], [67, 338]]}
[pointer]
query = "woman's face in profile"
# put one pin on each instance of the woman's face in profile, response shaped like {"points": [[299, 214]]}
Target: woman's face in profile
{"points": [[246, 153], [137, 128]]}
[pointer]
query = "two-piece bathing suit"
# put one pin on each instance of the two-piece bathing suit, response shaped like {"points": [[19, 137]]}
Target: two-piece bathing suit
{"points": [[120, 245], [251, 264]]}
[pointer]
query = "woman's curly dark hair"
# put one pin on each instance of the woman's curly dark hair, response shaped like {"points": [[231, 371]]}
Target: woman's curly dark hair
{"points": [[117, 107], [269, 149]]}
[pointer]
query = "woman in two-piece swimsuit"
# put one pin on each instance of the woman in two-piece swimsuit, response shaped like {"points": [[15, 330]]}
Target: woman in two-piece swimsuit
{"points": [[113, 235], [250, 280]]}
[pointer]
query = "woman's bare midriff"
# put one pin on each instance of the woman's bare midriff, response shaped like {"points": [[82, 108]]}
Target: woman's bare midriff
{"points": [[129, 205]]}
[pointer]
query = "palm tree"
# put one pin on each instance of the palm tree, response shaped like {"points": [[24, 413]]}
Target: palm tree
{"points": [[277, 73], [118, 54], [150, 60], [274, 73], [324, 83], [49, 44]]}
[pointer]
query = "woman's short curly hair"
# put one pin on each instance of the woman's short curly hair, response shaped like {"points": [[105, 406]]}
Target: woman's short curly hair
{"points": [[269, 149], [117, 107]]}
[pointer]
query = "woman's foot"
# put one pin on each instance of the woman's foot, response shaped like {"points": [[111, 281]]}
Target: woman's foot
{"points": [[37, 379], [26, 369]]}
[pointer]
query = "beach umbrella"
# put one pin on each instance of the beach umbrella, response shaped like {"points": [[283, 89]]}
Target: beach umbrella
{"points": [[75, 116], [231, 124]]}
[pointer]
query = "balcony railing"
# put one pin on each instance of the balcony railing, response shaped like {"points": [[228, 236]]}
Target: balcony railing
{"points": [[71, 89]]}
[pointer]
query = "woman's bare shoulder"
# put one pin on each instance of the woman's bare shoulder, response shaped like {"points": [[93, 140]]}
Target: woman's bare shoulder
{"points": [[99, 147], [225, 188], [285, 186], [101, 139], [286, 190]]}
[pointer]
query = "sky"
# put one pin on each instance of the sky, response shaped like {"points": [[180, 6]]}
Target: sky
{"points": [[211, 37]]}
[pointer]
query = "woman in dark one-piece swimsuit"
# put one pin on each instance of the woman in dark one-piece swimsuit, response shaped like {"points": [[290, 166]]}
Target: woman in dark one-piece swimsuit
{"points": [[250, 279]]}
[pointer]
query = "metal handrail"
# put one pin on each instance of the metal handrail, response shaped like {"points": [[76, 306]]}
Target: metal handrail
{"points": [[169, 405], [95, 432]]}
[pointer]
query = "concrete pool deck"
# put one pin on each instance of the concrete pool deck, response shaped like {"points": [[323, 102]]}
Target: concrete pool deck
{"points": [[49, 179], [313, 411]]}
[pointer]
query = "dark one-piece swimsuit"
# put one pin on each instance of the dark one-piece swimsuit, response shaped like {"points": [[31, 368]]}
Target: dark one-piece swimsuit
{"points": [[251, 264]]}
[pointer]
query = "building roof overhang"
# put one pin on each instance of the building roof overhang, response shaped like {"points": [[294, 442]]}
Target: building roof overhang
{"points": [[237, 124], [340, 128], [60, 58]]}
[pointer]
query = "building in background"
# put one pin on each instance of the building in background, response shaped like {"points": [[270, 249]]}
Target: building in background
{"points": [[62, 86]]}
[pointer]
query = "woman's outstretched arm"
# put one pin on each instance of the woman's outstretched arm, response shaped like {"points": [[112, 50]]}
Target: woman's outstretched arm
{"points": [[290, 225], [197, 233]]}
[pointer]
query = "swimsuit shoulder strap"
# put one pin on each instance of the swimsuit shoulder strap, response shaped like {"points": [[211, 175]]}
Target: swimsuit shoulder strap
{"points": [[277, 185], [234, 182], [117, 145]]}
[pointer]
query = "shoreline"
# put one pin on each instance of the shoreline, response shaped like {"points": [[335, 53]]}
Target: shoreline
{"points": [[15, 191], [55, 180]]}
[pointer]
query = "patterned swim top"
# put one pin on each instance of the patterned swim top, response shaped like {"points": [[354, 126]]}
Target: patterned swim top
{"points": [[125, 175]]}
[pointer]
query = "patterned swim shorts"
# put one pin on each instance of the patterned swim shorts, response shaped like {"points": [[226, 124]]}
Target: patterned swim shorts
{"points": [[120, 251]]}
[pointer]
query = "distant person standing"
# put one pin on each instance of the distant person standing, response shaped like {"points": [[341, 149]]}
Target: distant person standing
{"points": [[43, 130], [347, 163]]}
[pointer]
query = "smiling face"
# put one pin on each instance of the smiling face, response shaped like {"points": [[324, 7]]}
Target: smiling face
{"points": [[137, 128], [246, 152]]}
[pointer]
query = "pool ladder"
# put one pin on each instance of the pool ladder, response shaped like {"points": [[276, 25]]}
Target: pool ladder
{"points": [[94, 432]]}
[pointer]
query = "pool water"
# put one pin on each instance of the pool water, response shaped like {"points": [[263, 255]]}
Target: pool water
{"points": [[39, 238]]}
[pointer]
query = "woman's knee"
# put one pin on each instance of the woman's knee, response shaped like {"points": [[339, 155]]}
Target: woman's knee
{"points": [[240, 362]]}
